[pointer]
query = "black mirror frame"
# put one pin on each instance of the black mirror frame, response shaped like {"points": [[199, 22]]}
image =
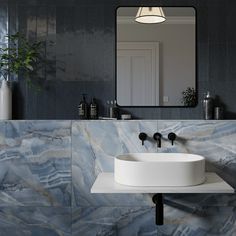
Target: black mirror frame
{"points": [[196, 58]]}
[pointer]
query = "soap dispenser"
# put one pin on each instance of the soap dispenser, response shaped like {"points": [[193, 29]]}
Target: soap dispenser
{"points": [[93, 109], [83, 108]]}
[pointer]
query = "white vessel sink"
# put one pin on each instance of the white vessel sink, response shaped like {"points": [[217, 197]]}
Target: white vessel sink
{"points": [[159, 169]]}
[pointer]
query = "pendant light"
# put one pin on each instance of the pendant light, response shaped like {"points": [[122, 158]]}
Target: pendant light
{"points": [[150, 15]]}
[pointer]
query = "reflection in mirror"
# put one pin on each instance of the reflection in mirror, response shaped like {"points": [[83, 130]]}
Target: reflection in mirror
{"points": [[156, 56]]}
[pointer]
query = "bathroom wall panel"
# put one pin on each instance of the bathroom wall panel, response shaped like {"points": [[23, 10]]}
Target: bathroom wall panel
{"points": [[91, 221], [3, 25], [84, 51], [48, 167], [64, 97], [122, 221], [51, 43], [94, 145], [40, 221], [215, 140], [35, 163]]}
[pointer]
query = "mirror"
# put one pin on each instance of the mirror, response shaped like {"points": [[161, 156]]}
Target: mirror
{"points": [[156, 62]]}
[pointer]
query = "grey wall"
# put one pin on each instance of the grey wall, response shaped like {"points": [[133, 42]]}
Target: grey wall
{"points": [[84, 55], [177, 59]]}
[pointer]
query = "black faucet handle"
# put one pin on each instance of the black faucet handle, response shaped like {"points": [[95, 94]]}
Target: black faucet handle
{"points": [[142, 137], [172, 137], [157, 136]]}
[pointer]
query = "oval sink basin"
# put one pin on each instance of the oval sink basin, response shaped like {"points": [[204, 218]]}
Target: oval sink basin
{"points": [[159, 169]]}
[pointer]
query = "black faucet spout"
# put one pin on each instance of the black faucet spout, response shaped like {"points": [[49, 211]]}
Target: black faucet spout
{"points": [[157, 137], [159, 142]]}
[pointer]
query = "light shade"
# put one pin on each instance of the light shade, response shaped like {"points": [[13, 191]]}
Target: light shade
{"points": [[150, 15]]}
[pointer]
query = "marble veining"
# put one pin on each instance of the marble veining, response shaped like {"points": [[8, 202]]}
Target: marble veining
{"points": [[48, 167], [96, 143], [140, 221], [35, 165], [35, 221]]}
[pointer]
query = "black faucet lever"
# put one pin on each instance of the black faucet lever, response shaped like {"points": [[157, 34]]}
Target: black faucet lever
{"points": [[142, 137], [172, 137], [157, 137]]}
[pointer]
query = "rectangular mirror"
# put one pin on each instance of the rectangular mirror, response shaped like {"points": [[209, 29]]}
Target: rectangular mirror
{"points": [[156, 56]]}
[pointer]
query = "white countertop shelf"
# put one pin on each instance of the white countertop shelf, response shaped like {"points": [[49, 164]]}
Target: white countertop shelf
{"points": [[105, 183]]}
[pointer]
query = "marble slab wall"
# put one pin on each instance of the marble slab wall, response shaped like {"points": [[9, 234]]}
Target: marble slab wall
{"points": [[35, 178], [48, 167], [94, 146]]}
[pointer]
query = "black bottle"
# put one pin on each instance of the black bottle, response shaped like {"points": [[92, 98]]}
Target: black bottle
{"points": [[93, 110], [83, 109], [115, 110]]}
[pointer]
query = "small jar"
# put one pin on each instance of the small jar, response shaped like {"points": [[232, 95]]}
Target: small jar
{"points": [[218, 113], [125, 117]]}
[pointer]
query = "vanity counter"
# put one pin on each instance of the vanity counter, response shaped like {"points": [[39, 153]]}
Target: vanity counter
{"points": [[214, 184]]}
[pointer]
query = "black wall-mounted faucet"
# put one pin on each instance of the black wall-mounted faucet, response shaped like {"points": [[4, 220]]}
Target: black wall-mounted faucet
{"points": [[157, 137], [142, 137], [172, 137]]}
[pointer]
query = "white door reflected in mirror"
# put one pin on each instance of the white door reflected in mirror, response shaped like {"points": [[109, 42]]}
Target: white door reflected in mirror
{"points": [[138, 73]]}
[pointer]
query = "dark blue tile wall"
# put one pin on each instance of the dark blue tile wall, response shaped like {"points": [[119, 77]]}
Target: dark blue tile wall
{"points": [[83, 56]]}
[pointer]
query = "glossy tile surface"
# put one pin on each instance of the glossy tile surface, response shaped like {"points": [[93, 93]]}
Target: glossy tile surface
{"points": [[48, 167], [82, 59], [35, 221], [35, 165], [122, 221], [95, 144]]}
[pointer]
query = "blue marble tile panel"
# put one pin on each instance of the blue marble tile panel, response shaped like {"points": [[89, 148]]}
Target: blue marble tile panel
{"points": [[35, 165], [91, 221], [35, 221], [36, 175], [216, 141], [94, 146], [133, 221]]}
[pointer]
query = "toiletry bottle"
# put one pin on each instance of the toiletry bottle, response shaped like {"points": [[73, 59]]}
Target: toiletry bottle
{"points": [[93, 109], [115, 110], [108, 108], [218, 113], [111, 110], [208, 106], [83, 109]]}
